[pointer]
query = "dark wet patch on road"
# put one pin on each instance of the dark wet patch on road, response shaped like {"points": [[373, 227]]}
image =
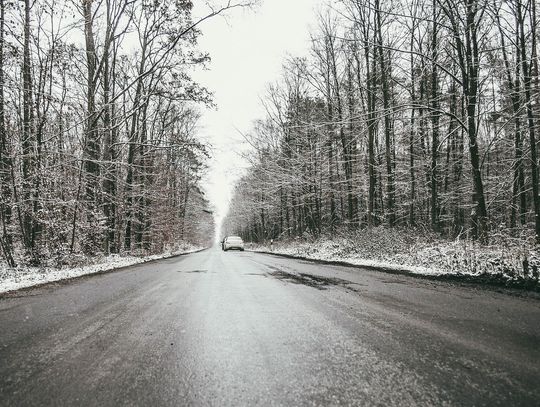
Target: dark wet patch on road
{"points": [[392, 281], [23, 292], [192, 271], [318, 282]]}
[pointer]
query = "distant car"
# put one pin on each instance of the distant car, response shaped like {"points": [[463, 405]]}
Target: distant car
{"points": [[233, 243]]}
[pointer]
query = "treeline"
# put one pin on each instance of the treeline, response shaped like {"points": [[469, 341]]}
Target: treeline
{"points": [[407, 113], [98, 152]]}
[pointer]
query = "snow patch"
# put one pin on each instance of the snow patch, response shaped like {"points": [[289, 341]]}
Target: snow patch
{"points": [[511, 262]]}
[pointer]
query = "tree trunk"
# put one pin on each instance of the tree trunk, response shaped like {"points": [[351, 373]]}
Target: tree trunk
{"points": [[330, 149], [514, 87], [435, 116], [109, 157], [133, 138], [6, 243], [28, 142], [91, 152], [388, 119]]}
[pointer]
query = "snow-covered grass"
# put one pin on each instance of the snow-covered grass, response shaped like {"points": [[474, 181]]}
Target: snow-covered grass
{"points": [[21, 277], [506, 260]]}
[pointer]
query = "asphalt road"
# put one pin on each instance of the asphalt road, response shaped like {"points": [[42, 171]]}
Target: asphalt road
{"points": [[232, 329]]}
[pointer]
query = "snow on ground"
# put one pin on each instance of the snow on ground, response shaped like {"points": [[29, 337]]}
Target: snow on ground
{"points": [[323, 253], [21, 277], [506, 261]]}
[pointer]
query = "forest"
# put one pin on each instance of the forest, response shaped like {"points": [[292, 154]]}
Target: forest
{"points": [[414, 115], [98, 120]]}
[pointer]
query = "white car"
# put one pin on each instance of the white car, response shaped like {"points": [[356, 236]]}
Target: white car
{"points": [[233, 242]]}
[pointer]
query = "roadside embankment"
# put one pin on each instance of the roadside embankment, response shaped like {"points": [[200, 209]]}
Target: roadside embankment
{"points": [[507, 262], [16, 278]]}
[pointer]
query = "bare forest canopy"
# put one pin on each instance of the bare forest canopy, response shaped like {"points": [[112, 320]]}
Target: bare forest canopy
{"points": [[98, 114], [407, 113]]}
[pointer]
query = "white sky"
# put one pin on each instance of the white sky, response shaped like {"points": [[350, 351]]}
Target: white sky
{"points": [[247, 49]]}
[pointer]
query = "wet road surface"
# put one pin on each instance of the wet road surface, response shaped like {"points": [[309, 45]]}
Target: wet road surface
{"points": [[231, 329]]}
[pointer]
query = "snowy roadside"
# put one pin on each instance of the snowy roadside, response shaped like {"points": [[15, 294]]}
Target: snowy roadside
{"points": [[509, 265], [295, 252], [12, 279]]}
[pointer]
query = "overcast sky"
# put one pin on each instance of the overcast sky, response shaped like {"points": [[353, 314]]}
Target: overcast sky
{"points": [[247, 49]]}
